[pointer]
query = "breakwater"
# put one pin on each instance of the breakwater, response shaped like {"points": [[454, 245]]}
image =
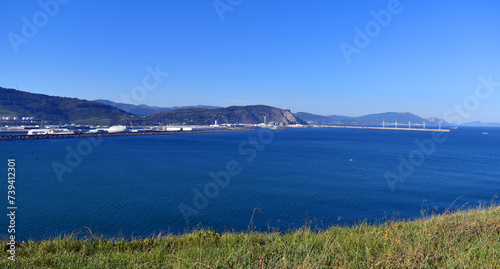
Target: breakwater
{"points": [[84, 135], [389, 128]]}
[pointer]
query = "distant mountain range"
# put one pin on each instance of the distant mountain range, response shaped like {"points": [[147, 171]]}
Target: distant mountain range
{"points": [[322, 120], [371, 119], [482, 124], [145, 110], [54, 110]]}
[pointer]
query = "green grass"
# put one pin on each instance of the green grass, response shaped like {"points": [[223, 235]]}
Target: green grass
{"points": [[464, 239]]}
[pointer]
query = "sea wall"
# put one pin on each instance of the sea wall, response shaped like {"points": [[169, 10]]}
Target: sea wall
{"points": [[84, 135]]}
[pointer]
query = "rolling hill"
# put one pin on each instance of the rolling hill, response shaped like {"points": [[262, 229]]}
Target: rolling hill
{"points": [[234, 114], [64, 110], [54, 109]]}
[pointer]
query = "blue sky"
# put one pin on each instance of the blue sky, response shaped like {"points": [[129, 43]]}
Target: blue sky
{"points": [[426, 59]]}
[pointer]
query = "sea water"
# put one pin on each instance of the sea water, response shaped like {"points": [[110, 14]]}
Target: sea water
{"points": [[262, 179]]}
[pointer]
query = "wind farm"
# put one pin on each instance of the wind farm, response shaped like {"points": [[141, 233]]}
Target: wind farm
{"points": [[393, 126]]}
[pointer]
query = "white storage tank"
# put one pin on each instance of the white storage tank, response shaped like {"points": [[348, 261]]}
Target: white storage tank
{"points": [[40, 131], [173, 129]]}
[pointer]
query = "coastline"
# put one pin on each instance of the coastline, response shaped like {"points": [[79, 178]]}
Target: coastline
{"points": [[85, 135], [387, 128]]}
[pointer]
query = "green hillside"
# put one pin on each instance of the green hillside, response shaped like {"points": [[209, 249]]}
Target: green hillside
{"points": [[55, 110], [234, 114]]}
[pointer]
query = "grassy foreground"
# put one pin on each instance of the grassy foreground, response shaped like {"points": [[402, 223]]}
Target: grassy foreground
{"points": [[467, 239]]}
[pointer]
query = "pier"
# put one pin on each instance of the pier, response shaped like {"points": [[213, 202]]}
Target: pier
{"points": [[389, 128], [395, 124], [85, 135]]}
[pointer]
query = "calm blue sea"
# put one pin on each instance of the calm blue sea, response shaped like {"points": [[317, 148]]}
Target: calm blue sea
{"points": [[138, 186]]}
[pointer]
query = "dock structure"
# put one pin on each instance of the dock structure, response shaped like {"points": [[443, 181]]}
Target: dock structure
{"points": [[385, 124], [86, 135]]}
